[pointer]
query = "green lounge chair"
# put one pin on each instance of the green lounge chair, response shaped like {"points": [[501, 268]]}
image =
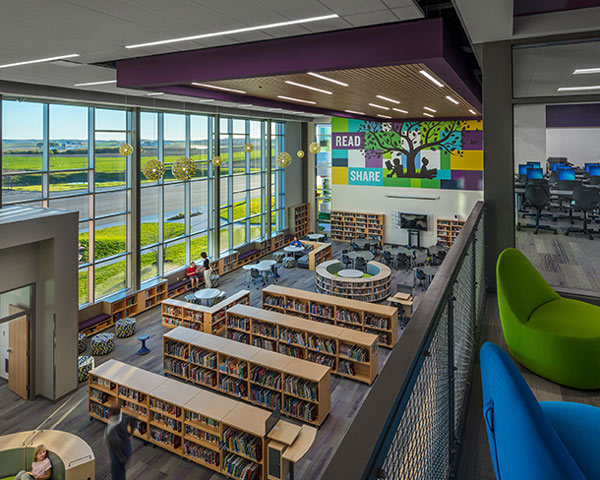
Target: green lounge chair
{"points": [[555, 337]]}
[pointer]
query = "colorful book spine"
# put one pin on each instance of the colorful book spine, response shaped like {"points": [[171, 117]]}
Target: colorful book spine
{"points": [[203, 376], [203, 357], [266, 377], [301, 387], [266, 397], [346, 367], [166, 438], [300, 409], [233, 386], [263, 343], [241, 442], [322, 344], [205, 455], [354, 352], [241, 468], [321, 359]]}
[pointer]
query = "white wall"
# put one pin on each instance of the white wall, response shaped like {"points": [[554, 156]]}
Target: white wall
{"points": [[447, 204], [580, 145], [20, 297], [530, 134]]}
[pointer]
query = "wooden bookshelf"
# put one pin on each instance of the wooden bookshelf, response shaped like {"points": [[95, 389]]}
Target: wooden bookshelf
{"points": [[297, 388], [448, 230], [366, 289], [291, 335], [380, 320], [346, 226], [320, 253], [176, 313], [216, 432], [299, 219]]}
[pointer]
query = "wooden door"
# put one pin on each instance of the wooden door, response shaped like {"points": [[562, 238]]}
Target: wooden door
{"points": [[18, 358]]}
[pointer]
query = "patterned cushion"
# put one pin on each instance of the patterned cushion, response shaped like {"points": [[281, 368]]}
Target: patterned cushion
{"points": [[125, 327], [84, 364], [289, 262], [214, 279], [81, 342], [103, 343], [278, 256], [190, 298]]}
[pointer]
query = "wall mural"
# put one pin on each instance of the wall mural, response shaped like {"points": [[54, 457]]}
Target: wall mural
{"points": [[442, 154]]}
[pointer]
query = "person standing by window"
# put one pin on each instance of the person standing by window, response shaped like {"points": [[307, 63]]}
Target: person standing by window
{"points": [[206, 270]]}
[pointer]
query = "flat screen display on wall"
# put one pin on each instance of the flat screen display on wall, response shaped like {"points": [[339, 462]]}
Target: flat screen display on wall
{"points": [[413, 221]]}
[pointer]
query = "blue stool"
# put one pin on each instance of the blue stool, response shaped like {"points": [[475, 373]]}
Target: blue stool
{"points": [[143, 349]]}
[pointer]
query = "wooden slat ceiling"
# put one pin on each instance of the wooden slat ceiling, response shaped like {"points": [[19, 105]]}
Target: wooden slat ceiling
{"points": [[403, 83]]}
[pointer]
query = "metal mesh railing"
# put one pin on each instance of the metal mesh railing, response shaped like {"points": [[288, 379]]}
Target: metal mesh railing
{"points": [[422, 423]]}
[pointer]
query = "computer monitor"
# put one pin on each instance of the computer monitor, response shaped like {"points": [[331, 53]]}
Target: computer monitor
{"points": [[556, 166], [534, 164], [535, 173], [594, 171], [588, 165], [566, 174], [523, 169]]}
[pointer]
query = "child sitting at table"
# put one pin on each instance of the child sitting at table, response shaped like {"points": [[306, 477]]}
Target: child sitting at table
{"points": [[296, 243]]}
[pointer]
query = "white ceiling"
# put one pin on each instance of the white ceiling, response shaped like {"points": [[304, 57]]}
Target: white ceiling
{"points": [[541, 70], [98, 30]]}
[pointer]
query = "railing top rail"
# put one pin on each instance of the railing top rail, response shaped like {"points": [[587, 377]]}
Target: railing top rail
{"points": [[357, 454]]}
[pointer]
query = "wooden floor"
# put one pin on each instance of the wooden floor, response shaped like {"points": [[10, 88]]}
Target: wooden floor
{"points": [[565, 261], [153, 463], [475, 461]]}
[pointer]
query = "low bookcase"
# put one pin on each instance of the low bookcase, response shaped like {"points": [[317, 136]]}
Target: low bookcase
{"points": [[219, 433], [348, 353], [297, 388]]}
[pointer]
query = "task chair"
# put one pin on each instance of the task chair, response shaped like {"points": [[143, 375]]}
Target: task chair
{"points": [[388, 259], [346, 261], [360, 264], [530, 439], [586, 200], [256, 276], [538, 195]]}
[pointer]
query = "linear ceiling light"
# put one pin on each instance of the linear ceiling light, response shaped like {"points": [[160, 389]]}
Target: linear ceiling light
{"points": [[472, 111], [237, 30], [581, 71], [383, 116], [379, 106], [204, 100], [323, 77], [289, 82], [206, 85], [427, 114], [296, 99], [153, 94], [243, 105], [399, 110], [574, 89], [451, 99], [388, 99], [88, 84], [41, 60], [430, 109], [431, 77], [353, 111]]}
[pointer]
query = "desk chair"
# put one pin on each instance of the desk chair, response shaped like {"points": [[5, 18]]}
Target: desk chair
{"points": [[346, 261], [538, 196], [586, 200], [403, 261], [388, 259], [256, 276], [360, 264], [420, 276]]}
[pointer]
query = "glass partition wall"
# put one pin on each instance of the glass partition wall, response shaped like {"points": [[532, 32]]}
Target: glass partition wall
{"points": [[556, 134], [67, 157]]}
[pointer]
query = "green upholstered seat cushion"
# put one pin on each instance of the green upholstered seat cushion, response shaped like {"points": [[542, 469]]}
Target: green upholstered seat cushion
{"points": [[567, 318], [8, 478]]}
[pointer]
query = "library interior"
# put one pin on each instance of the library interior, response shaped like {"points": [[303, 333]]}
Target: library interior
{"points": [[299, 240]]}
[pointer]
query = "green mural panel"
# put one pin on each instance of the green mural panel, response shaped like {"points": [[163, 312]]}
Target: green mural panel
{"points": [[339, 124], [430, 183], [415, 182], [444, 160], [393, 181], [387, 156]]}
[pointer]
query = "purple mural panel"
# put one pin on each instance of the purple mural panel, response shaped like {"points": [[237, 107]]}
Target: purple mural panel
{"points": [[471, 140], [348, 141], [577, 115], [374, 159], [470, 179]]}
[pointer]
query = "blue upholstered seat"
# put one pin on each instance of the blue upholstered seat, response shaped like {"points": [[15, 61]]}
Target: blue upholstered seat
{"points": [[531, 439]]}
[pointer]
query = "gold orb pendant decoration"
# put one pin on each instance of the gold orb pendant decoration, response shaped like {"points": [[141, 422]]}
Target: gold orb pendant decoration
{"points": [[183, 169], [125, 149], [300, 153], [283, 160], [154, 169], [314, 147]]}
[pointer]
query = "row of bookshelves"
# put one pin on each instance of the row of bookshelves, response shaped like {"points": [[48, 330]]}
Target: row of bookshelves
{"points": [[346, 226], [247, 372], [222, 434], [447, 231], [316, 342], [299, 219]]}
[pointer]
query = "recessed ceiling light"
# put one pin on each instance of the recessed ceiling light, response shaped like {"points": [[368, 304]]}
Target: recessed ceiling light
{"points": [[103, 82], [378, 106], [308, 86], [153, 94], [323, 77], [399, 110], [581, 71], [427, 114], [237, 30], [472, 111], [431, 77], [353, 111], [451, 99], [430, 109], [383, 116], [296, 99], [40, 60], [388, 99], [206, 85], [574, 89]]}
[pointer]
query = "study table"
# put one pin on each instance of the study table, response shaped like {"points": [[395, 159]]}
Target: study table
{"points": [[361, 242], [207, 293]]}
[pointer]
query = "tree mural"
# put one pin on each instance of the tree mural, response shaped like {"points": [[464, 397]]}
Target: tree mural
{"points": [[409, 138]]}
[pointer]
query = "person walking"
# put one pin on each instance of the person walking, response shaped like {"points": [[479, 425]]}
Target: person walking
{"points": [[118, 439]]}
